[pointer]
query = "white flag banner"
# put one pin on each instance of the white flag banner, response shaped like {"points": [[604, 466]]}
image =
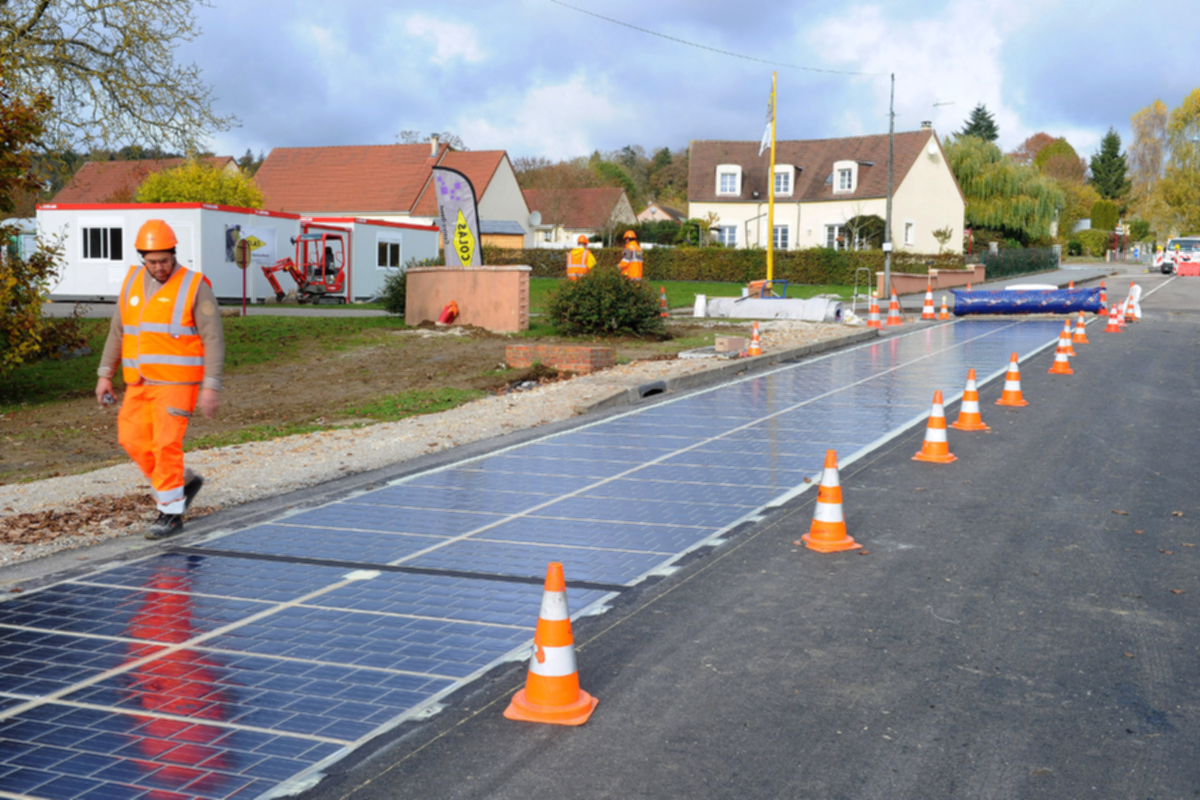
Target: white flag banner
{"points": [[766, 138]]}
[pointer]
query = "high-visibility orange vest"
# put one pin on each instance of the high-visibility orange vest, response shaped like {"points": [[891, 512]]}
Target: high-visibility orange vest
{"points": [[160, 341], [577, 263], [631, 261]]}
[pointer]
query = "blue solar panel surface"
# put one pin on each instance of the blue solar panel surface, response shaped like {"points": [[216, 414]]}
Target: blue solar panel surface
{"points": [[227, 673]]}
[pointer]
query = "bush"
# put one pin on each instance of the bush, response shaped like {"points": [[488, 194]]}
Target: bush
{"points": [[395, 292], [604, 303], [1074, 248], [1094, 243], [1105, 216], [1019, 261], [1139, 231]]}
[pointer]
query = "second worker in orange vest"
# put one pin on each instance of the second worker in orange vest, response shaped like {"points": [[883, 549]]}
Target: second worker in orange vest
{"points": [[166, 335], [631, 259], [580, 260]]}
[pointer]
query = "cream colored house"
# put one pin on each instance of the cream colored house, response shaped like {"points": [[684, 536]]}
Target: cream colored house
{"points": [[823, 184]]}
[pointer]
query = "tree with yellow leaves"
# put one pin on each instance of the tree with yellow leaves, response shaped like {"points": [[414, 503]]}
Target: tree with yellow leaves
{"points": [[1170, 199], [197, 182]]}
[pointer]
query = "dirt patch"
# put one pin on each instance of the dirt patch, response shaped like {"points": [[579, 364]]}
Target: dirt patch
{"points": [[323, 390]]}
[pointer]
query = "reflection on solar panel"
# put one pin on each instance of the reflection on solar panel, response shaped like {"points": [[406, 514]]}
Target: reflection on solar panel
{"points": [[230, 669]]}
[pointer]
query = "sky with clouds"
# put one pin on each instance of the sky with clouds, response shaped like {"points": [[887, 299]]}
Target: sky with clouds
{"points": [[538, 79]]}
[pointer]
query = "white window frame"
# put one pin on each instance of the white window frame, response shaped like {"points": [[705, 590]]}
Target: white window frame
{"points": [[727, 235], [832, 231], [781, 242], [107, 224], [788, 173], [389, 239], [733, 170], [840, 170], [910, 233]]}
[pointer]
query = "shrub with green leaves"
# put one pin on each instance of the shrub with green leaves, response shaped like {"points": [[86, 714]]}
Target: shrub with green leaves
{"points": [[1074, 247], [604, 303], [1105, 215], [394, 292], [1139, 231], [1095, 243]]}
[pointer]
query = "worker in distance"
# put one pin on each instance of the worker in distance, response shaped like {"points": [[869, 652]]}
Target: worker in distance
{"points": [[166, 336], [631, 257], [580, 260]]}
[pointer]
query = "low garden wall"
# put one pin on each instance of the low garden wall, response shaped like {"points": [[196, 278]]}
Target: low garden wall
{"points": [[569, 358], [494, 298]]}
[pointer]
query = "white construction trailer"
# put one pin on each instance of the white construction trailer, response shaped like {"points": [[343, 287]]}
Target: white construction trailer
{"points": [[98, 246]]}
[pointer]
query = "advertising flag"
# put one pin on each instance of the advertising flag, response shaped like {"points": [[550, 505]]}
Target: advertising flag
{"points": [[458, 217]]}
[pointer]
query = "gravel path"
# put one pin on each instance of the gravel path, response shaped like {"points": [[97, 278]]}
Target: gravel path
{"points": [[241, 473]]}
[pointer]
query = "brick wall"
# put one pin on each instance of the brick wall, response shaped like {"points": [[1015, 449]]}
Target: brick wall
{"points": [[569, 358]]}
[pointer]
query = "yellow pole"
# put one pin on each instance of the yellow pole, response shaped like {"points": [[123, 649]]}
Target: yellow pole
{"points": [[771, 190]]}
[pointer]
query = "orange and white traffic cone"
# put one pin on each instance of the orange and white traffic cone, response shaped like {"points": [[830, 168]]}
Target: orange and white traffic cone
{"points": [[873, 313], [936, 449], [755, 343], [893, 317], [1129, 315], [1064, 338], [927, 311], [969, 418], [1070, 286], [552, 692], [944, 313], [1012, 386], [663, 311], [1113, 327], [1121, 313], [968, 287], [828, 531], [1103, 298], [1080, 334], [1062, 363]]}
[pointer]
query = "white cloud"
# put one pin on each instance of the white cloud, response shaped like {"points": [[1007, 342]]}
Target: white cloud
{"points": [[560, 120], [451, 40], [953, 57]]}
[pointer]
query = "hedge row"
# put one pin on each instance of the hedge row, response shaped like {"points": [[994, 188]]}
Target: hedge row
{"points": [[1006, 262], [818, 265]]}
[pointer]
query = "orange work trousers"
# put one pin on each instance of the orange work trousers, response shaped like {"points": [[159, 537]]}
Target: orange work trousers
{"points": [[150, 427]]}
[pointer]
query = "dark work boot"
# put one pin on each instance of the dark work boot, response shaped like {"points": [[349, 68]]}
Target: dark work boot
{"points": [[190, 490], [166, 525]]}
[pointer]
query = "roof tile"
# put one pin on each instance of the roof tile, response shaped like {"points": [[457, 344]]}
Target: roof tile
{"points": [[117, 181]]}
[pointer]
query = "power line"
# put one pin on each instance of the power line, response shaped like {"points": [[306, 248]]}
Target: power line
{"points": [[714, 49]]}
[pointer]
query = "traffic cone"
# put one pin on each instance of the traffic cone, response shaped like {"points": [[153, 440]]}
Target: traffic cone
{"points": [[893, 317], [1062, 364], [1113, 327], [969, 418], [1129, 316], [1070, 286], [1064, 338], [1080, 335], [552, 692], [873, 313], [828, 531], [1012, 386], [943, 314], [927, 311], [968, 287], [755, 344], [662, 302], [1121, 313], [936, 449], [1103, 298]]}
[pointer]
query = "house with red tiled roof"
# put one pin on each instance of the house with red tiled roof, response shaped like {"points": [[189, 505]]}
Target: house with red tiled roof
{"points": [[118, 181], [567, 214], [823, 184], [390, 182]]}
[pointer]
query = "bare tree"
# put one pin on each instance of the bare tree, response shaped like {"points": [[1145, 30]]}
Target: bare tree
{"points": [[110, 66], [1148, 150], [445, 137]]}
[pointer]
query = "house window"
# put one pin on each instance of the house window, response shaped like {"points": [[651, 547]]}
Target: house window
{"points": [[910, 233], [835, 238], [783, 181], [727, 235], [729, 179], [389, 253], [844, 180], [102, 244], [780, 238]]}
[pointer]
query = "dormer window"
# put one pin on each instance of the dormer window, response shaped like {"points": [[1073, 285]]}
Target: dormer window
{"points": [[845, 177], [729, 180], [785, 177]]}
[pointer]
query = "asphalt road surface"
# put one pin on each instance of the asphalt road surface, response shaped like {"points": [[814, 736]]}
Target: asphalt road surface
{"points": [[1021, 623]]}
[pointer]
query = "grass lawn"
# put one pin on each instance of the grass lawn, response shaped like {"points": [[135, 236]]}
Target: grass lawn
{"points": [[683, 293]]}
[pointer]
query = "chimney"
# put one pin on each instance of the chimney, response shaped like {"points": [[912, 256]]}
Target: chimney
{"points": [[926, 125], [433, 145]]}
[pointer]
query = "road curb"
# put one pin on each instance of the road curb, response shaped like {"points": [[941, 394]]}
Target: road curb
{"points": [[720, 373]]}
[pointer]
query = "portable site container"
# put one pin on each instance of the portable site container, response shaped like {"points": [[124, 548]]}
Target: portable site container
{"points": [[98, 246]]}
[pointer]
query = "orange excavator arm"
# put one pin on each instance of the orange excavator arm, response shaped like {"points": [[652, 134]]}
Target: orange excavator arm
{"points": [[283, 265]]}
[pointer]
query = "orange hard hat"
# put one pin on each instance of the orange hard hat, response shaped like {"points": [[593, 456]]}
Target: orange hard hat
{"points": [[155, 235], [581, 240], [629, 235]]}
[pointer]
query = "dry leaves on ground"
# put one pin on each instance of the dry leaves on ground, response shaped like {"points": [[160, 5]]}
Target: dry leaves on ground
{"points": [[92, 517]]}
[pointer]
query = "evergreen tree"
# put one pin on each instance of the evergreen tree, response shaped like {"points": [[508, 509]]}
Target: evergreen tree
{"points": [[1109, 167], [981, 124]]}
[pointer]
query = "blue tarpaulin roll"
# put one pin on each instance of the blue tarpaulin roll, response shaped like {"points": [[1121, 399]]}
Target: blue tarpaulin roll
{"points": [[1059, 301]]}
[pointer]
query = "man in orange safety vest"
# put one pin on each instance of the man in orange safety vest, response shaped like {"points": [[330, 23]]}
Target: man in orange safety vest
{"points": [[631, 259], [166, 336], [580, 260]]}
